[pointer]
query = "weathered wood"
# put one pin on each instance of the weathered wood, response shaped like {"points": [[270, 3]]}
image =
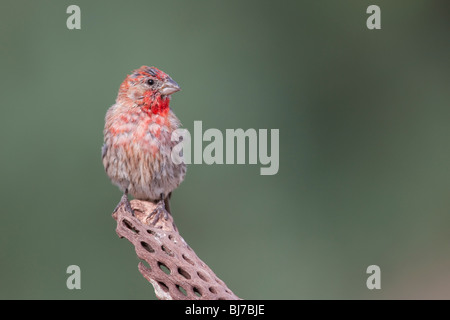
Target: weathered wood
{"points": [[171, 266]]}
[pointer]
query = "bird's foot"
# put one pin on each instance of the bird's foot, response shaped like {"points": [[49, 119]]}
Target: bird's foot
{"points": [[160, 209], [126, 203]]}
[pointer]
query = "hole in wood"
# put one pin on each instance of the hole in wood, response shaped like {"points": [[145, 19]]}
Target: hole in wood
{"points": [[129, 226], [197, 292], [212, 290], [184, 273], [188, 260], [167, 250], [163, 267], [147, 247], [202, 276], [182, 290], [163, 286]]}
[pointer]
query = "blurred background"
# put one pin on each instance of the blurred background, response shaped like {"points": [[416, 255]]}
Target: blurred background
{"points": [[363, 116]]}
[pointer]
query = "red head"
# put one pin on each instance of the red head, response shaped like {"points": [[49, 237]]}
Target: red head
{"points": [[149, 88]]}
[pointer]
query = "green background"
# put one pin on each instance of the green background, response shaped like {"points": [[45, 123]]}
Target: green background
{"points": [[364, 144]]}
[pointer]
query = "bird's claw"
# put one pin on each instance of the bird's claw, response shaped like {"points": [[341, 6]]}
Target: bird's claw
{"points": [[126, 203], [160, 209]]}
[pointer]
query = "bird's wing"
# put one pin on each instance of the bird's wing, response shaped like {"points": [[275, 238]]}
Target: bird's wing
{"points": [[104, 149]]}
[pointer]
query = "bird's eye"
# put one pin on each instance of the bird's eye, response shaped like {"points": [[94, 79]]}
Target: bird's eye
{"points": [[150, 81]]}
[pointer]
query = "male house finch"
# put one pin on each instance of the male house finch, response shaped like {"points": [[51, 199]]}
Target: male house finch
{"points": [[137, 135]]}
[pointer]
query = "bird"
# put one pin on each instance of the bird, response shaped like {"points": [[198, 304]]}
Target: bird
{"points": [[136, 153]]}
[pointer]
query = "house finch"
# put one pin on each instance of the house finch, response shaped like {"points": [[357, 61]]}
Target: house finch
{"points": [[137, 139]]}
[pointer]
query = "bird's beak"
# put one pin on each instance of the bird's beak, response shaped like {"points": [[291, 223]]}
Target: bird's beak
{"points": [[169, 86]]}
